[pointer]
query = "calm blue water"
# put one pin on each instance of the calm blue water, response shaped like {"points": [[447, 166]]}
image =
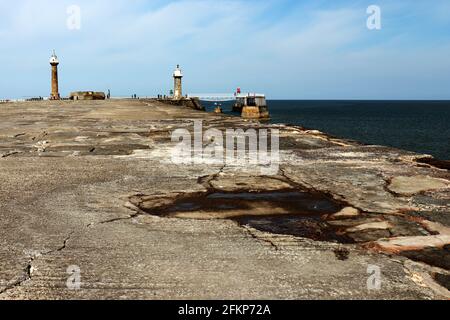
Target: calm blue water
{"points": [[420, 126]]}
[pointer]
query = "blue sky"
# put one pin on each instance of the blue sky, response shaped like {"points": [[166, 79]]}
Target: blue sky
{"points": [[288, 49]]}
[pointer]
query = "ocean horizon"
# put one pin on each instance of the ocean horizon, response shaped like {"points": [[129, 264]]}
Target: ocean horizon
{"points": [[420, 126]]}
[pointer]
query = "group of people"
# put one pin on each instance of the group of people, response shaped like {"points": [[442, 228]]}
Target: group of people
{"points": [[35, 99], [162, 97]]}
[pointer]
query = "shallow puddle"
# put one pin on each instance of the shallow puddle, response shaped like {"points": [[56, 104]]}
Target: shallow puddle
{"points": [[253, 203], [287, 212]]}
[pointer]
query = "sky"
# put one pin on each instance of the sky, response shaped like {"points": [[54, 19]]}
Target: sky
{"points": [[287, 49]]}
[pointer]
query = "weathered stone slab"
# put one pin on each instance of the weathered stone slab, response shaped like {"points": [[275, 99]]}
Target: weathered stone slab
{"points": [[371, 226], [345, 213], [416, 184]]}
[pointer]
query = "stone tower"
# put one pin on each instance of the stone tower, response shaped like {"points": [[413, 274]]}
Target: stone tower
{"points": [[54, 62], [178, 91]]}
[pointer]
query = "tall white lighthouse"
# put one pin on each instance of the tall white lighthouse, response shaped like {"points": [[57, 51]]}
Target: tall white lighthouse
{"points": [[54, 62], [178, 90]]}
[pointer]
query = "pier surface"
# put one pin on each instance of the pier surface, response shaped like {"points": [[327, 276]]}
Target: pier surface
{"points": [[84, 184]]}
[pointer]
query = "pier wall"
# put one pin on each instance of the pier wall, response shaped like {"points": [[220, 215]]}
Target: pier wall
{"points": [[192, 103]]}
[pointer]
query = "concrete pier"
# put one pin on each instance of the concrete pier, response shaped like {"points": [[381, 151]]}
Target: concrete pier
{"points": [[87, 186], [192, 103]]}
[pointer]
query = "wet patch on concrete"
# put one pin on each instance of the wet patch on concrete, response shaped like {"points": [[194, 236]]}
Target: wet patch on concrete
{"points": [[443, 280], [437, 257], [441, 164], [342, 254], [304, 226], [287, 212], [305, 214]]}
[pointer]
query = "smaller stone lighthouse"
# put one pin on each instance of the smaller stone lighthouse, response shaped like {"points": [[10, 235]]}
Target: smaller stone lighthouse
{"points": [[178, 90], [54, 62]]}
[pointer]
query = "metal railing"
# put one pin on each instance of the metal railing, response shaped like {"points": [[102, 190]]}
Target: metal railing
{"points": [[213, 97]]}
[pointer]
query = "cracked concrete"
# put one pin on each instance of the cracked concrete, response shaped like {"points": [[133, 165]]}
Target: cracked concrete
{"points": [[68, 202], [28, 270]]}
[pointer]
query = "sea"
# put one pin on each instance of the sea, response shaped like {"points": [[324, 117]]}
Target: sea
{"points": [[419, 126]]}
